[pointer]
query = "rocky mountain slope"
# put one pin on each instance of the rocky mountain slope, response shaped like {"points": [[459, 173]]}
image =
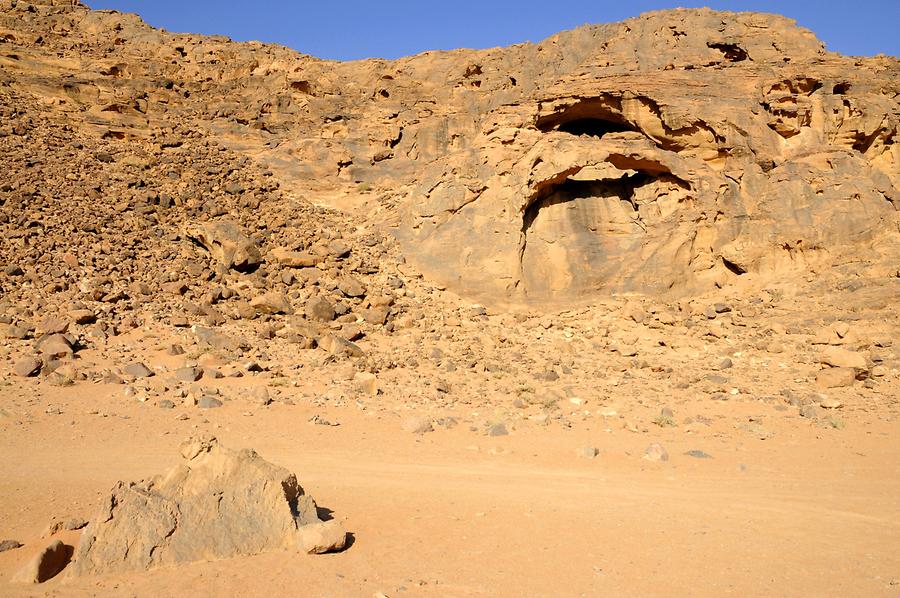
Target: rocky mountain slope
{"points": [[678, 231], [666, 154]]}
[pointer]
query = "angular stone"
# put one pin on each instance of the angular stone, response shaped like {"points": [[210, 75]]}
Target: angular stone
{"points": [[137, 370], [323, 537], [294, 259], [835, 377], [843, 358], [188, 374], [272, 302], [228, 244], [27, 367], [320, 309]]}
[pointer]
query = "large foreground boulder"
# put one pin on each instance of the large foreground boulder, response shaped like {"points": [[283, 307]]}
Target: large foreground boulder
{"points": [[218, 503]]}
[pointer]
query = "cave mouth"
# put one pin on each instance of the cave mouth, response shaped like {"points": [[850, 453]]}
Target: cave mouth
{"points": [[587, 225], [589, 116], [574, 189], [594, 127]]}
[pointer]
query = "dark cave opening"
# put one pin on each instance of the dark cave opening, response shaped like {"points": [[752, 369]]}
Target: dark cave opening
{"points": [[732, 52], [589, 116], [574, 189], [595, 127]]}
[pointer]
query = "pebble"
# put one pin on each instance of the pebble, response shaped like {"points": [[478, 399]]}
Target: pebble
{"points": [[588, 452], [655, 452], [698, 454], [10, 545], [417, 425]]}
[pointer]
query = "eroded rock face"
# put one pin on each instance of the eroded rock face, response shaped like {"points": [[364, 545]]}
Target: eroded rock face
{"points": [[691, 147], [669, 153], [218, 503]]}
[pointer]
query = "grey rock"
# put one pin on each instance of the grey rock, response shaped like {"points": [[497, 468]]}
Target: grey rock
{"points": [[497, 430], [320, 309], [137, 370], [698, 454], [10, 545], [207, 402], [188, 374]]}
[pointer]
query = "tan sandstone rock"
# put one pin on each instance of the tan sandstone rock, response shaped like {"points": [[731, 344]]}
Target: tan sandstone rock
{"points": [[217, 503]]}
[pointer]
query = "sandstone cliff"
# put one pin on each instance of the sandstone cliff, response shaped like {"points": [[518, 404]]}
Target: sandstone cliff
{"points": [[665, 154]]}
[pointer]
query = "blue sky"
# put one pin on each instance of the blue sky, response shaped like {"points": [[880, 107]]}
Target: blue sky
{"points": [[351, 29]]}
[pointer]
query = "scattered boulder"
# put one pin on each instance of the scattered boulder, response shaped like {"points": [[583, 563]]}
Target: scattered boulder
{"points": [[272, 302], [843, 358], [320, 309], [27, 367], [137, 370], [228, 244], [319, 538], [217, 503], [835, 377]]}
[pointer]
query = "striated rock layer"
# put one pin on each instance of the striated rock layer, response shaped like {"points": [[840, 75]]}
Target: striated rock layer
{"points": [[665, 154]]}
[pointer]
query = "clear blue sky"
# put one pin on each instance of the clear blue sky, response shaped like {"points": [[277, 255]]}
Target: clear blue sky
{"points": [[350, 29]]}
